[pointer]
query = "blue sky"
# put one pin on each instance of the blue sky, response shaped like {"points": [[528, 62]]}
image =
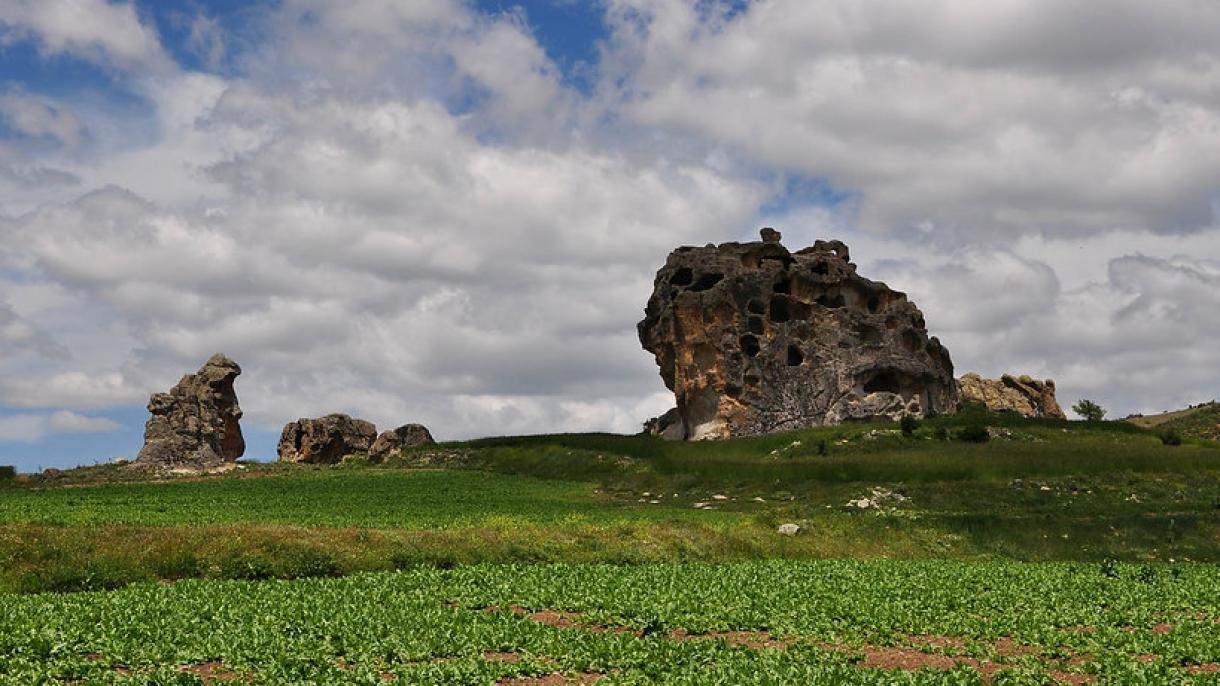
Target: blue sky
{"points": [[451, 212]]}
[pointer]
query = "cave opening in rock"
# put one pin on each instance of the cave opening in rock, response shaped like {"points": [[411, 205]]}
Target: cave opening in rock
{"points": [[755, 325], [874, 304], [749, 345], [682, 277], [756, 307], [821, 268], [882, 382], [783, 285], [706, 281], [832, 302], [795, 357], [779, 310]]}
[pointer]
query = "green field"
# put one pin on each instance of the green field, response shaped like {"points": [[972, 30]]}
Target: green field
{"points": [[1054, 552], [777, 622]]}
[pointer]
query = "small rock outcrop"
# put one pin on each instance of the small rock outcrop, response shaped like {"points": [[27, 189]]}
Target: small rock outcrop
{"points": [[392, 442], [1021, 394], [196, 423], [752, 339], [325, 440]]}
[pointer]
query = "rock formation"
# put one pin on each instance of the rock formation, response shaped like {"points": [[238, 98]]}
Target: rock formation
{"points": [[1030, 397], [752, 338], [390, 443], [325, 440], [197, 422]]}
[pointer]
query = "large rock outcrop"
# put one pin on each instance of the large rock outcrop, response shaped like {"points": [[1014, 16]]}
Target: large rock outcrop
{"points": [[1021, 394], [197, 422], [752, 338], [325, 440], [392, 442]]}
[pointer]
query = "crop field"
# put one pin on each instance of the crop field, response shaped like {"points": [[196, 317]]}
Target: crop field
{"points": [[1053, 553], [767, 622]]}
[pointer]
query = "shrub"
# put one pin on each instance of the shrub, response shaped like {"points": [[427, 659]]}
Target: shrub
{"points": [[973, 433], [7, 473], [1171, 437], [941, 433], [908, 424], [823, 447], [1089, 410]]}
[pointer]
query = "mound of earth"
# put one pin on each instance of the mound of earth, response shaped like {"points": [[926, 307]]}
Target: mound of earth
{"points": [[1198, 421], [753, 338]]}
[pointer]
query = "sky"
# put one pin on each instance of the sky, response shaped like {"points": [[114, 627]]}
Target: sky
{"points": [[451, 212]]}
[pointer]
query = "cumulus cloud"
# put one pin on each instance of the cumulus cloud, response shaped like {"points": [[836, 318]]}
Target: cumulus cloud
{"points": [[978, 121], [30, 428], [97, 30], [400, 211], [34, 116]]}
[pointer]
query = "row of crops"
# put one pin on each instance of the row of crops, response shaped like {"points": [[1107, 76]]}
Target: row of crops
{"points": [[776, 622]]}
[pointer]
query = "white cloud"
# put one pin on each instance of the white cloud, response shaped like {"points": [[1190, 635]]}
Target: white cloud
{"points": [[30, 428], [399, 211], [108, 33], [35, 116], [980, 120]]}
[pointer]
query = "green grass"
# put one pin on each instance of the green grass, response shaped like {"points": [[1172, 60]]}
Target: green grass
{"points": [[1038, 490], [1029, 623], [334, 498]]}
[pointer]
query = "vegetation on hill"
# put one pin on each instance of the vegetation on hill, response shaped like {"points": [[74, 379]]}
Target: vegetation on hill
{"points": [[1200, 421], [1033, 490]]}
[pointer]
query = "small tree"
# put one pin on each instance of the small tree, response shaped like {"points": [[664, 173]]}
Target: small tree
{"points": [[1089, 410], [908, 424]]}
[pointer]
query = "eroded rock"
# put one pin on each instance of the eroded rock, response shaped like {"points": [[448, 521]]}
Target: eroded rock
{"points": [[752, 339], [392, 442], [1021, 394], [325, 440], [197, 423]]}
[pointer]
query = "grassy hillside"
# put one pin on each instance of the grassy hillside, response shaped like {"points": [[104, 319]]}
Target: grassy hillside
{"points": [[1201, 421], [774, 622], [1037, 490]]}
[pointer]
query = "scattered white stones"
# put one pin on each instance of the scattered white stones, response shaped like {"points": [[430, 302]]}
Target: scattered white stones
{"points": [[720, 496], [1044, 488], [878, 498], [757, 499], [700, 506], [789, 529]]}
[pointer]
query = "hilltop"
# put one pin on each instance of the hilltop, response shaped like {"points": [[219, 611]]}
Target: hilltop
{"points": [[1197, 421]]}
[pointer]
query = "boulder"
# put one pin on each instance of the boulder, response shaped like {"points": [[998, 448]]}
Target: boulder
{"points": [[753, 339], [668, 426], [1020, 394], [789, 529], [325, 440], [392, 442], [197, 423]]}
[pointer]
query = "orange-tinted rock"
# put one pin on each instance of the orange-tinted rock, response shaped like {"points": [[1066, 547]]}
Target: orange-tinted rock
{"points": [[752, 339], [1021, 394]]}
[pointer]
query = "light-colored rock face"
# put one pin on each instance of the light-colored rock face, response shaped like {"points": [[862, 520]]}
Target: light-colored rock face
{"points": [[325, 440], [392, 442], [1021, 394], [197, 422], [752, 338]]}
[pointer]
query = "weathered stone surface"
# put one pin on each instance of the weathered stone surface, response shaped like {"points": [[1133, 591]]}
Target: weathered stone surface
{"points": [[325, 440], [668, 426], [390, 443], [197, 423], [752, 338], [1030, 397]]}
